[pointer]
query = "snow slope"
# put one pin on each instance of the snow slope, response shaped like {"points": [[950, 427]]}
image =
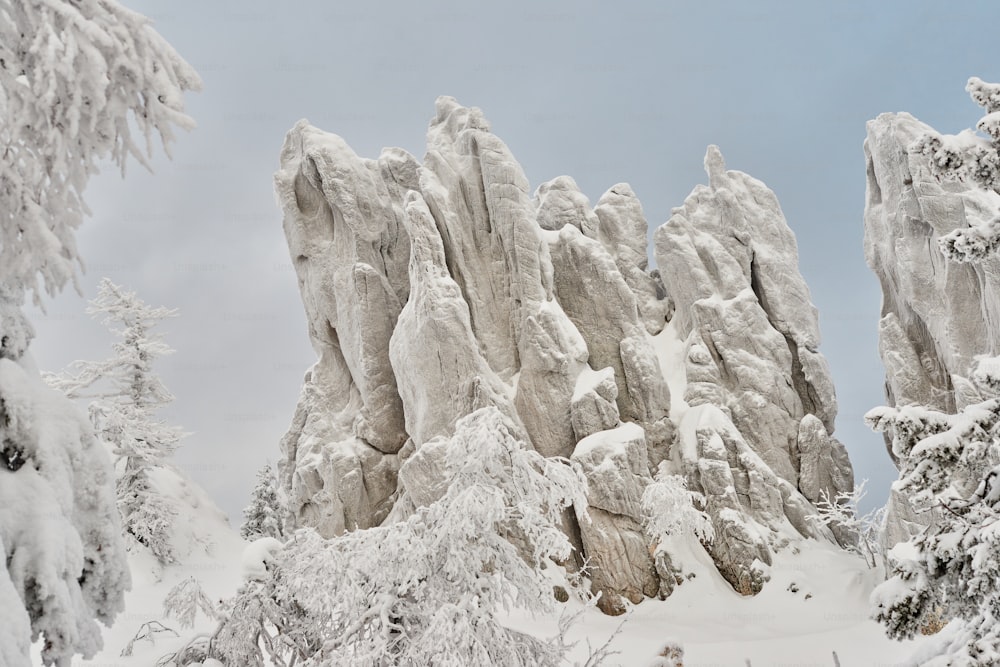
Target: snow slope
{"points": [[213, 551]]}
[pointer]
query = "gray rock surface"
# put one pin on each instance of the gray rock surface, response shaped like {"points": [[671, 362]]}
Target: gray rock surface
{"points": [[434, 289], [937, 315], [614, 463]]}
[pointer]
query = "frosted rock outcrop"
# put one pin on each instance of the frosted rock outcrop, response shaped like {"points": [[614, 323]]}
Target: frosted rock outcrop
{"points": [[729, 262], [434, 289], [937, 314]]}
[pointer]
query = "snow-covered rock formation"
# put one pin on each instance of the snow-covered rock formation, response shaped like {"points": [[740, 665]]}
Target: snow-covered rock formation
{"points": [[757, 439], [937, 314], [434, 289]]}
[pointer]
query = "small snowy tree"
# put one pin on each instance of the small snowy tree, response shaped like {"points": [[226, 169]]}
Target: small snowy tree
{"points": [[970, 157], [264, 516], [863, 530], [670, 508], [427, 590], [952, 569], [185, 600], [126, 394]]}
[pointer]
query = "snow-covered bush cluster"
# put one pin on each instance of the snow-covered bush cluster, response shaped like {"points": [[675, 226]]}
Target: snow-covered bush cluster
{"points": [[951, 463], [862, 532], [968, 156], [428, 589]]}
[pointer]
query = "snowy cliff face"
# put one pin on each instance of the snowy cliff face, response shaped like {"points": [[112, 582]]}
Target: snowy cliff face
{"points": [[435, 289], [937, 314]]}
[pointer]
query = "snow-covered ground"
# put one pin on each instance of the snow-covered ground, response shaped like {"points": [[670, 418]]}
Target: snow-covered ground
{"points": [[815, 604]]}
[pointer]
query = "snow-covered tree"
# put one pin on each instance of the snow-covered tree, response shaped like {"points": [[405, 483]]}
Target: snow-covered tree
{"points": [[862, 532], [264, 516], [951, 570], [669, 508], [126, 394], [426, 590], [185, 600], [77, 80], [971, 157]]}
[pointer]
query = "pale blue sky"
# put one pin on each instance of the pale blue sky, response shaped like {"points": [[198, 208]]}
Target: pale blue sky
{"points": [[603, 92]]}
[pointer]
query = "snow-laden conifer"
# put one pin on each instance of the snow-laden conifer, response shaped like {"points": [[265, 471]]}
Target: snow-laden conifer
{"points": [[973, 157], [950, 462], [264, 516], [125, 394]]}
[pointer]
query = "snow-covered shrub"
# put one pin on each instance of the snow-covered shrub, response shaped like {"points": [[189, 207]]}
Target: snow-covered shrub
{"points": [[126, 394], [427, 590], [865, 531], [968, 156], [952, 569], [670, 655], [264, 516], [185, 600], [670, 508]]}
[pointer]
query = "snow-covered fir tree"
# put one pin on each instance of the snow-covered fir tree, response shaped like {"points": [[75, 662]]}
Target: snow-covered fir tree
{"points": [[952, 569], [426, 590], [79, 82], [973, 157], [264, 516], [126, 394]]}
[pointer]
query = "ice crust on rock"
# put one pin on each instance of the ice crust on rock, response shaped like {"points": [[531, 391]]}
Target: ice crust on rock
{"points": [[438, 288]]}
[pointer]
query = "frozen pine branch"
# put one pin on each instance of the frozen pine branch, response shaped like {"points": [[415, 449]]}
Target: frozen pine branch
{"points": [[952, 569], [80, 82], [970, 157]]}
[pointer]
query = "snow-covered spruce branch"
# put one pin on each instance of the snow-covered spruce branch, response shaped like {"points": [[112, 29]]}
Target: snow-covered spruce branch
{"points": [[952, 569], [80, 82], [974, 158]]}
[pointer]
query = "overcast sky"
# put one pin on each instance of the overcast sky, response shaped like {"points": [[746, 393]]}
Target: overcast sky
{"points": [[603, 92]]}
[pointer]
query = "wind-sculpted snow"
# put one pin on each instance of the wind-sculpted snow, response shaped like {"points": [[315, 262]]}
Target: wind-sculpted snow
{"points": [[435, 290]]}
